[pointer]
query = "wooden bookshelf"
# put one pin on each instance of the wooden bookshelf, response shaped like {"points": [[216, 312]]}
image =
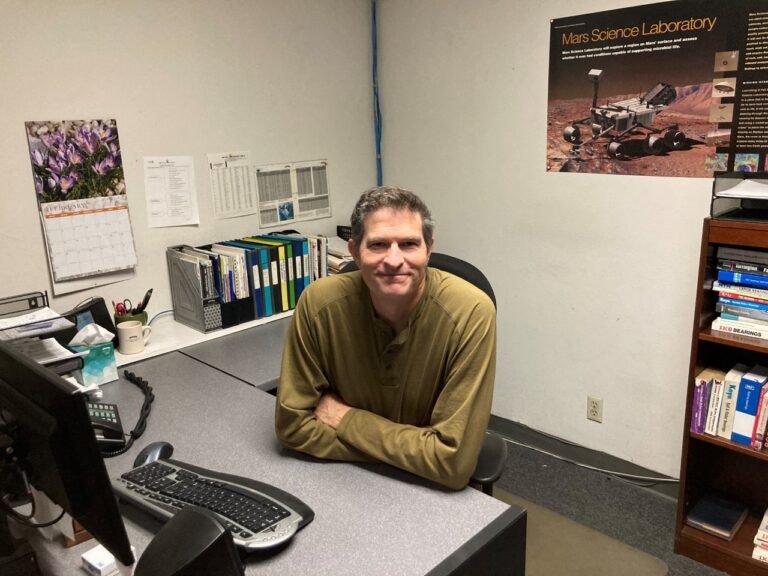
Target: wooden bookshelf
{"points": [[710, 464]]}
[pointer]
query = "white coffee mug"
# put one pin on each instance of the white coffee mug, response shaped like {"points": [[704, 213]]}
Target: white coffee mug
{"points": [[132, 336]]}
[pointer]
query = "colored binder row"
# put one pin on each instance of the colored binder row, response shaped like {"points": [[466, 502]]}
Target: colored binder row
{"points": [[234, 281]]}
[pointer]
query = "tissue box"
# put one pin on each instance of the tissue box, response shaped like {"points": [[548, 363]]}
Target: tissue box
{"points": [[99, 366]]}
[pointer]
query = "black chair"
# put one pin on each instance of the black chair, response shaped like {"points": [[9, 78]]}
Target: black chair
{"points": [[493, 454]]}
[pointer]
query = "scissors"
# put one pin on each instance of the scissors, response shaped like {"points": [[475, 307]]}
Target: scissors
{"points": [[123, 308]]}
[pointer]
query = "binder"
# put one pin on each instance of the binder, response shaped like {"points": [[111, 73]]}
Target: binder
{"points": [[257, 261], [287, 263], [301, 260], [240, 306], [318, 253], [278, 272]]}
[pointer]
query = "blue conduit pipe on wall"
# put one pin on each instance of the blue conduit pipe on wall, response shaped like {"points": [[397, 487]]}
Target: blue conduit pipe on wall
{"points": [[376, 108]]}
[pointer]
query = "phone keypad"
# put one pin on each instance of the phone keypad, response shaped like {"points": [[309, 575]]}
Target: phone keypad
{"points": [[103, 412]]}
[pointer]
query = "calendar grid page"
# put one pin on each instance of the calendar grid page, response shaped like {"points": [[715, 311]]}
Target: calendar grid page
{"points": [[88, 236]]}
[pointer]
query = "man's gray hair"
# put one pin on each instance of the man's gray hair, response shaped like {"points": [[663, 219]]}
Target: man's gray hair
{"points": [[396, 199]]}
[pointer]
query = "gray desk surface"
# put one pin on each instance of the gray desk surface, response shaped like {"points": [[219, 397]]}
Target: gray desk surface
{"points": [[252, 355], [370, 519]]}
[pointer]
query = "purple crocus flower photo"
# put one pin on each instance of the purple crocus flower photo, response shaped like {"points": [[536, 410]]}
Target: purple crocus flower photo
{"points": [[75, 159]]}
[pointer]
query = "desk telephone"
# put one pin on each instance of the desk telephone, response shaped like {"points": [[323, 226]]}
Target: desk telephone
{"points": [[105, 420]]}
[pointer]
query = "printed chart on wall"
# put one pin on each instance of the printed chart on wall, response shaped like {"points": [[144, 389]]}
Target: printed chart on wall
{"points": [[281, 193], [80, 189], [669, 89]]}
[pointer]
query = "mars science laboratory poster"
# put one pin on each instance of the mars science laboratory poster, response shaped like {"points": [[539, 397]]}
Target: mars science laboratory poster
{"points": [[670, 89]]}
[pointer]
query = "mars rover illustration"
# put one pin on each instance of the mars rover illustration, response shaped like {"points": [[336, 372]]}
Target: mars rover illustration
{"points": [[619, 121]]}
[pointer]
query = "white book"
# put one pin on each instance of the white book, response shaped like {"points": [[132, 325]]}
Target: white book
{"points": [[761, 536], [747, 404], [740, 328], [730, 392], [760, 553], [239, 270], [715, 403], [761, 293]]}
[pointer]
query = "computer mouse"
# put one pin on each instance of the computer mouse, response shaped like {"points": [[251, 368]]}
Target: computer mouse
{"points": [[152, 452]]}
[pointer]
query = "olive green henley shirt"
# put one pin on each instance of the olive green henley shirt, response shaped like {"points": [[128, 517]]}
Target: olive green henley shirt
{"points": [[420, 400]]}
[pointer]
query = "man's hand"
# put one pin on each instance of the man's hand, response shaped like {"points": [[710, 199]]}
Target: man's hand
{"points": [[331, 409]]}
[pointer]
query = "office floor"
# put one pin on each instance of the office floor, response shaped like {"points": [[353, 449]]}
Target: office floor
{"points": [[641, 516]]}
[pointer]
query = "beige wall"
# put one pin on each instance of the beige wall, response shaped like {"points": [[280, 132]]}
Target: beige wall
{"points": [[595, 275], [287, 80]]}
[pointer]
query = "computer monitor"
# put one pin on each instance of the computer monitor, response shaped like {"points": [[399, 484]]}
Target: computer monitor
{"points": [[46, 420]]}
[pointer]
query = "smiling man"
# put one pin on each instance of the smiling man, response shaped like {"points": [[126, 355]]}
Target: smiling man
{"points": [[395, 362]]}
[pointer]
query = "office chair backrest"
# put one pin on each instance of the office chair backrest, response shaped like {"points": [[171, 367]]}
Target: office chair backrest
{"points": [[455, 266]]}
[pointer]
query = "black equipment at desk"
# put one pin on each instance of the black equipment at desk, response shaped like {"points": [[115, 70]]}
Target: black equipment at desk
{"points": [[257, 514], [48, 442], [105, 419]]}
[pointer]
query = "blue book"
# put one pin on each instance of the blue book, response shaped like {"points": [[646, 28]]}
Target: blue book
{"points": [[745, 279], [747, 401], [743, 303], [717, 516]]}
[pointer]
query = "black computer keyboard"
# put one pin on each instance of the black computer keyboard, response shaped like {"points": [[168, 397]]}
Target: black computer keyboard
{"points": [[257, 514]]}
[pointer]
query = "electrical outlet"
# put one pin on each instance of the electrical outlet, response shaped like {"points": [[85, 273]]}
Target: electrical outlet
{"points": [[595, 409]]}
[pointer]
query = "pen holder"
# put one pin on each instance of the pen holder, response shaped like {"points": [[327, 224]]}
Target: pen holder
{"points": [[141, 317]]}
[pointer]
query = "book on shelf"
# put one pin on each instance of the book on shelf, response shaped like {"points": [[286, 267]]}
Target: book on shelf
{"points": [[739, 278], [742, 313], [740, 296], [747, 402], [743, 319], [761, 536], [760, 553], [755, 304], [742, 254], [718, 516], [761, 418], [716, 389], [744, 267], [731, 289], [730, 391], [740, 328], [702, 387]]}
